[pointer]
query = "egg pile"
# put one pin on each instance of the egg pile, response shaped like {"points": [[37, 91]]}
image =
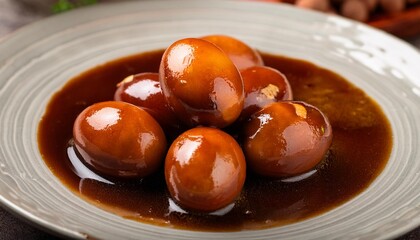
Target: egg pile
{"points": [[221, 111]]}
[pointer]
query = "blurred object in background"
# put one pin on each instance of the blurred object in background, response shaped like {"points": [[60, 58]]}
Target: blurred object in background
{"points": [[319, 5], [398, 17], [65, 5], [16, 13]]}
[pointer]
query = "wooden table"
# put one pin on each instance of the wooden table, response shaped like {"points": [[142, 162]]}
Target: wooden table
{"points": [[14, 14]]}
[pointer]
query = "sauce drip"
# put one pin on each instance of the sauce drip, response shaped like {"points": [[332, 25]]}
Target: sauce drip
{"points": [[361, 147]]}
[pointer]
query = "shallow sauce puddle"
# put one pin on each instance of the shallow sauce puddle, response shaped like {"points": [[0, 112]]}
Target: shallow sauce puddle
{"points": [[361, 147]]}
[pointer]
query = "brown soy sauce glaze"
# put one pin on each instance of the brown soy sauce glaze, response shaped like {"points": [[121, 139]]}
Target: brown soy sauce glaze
{"points": [[360, 149]]}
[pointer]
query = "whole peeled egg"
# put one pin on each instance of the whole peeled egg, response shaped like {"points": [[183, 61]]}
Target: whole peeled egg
{"points": [[263, 85], [119, 139], [242, 55], [201, 84], [286, 138], [144, 91], [205, 169]]}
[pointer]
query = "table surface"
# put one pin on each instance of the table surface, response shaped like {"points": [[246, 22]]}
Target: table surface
{"points": [[14, 14]]}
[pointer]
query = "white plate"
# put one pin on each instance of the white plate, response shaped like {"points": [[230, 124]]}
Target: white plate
{"points": [[37, 60]]}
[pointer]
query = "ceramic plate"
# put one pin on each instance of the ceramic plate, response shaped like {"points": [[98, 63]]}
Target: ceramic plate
{"points": [[37, 60]]}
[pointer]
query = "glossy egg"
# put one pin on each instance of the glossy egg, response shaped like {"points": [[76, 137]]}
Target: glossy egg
{"points": [[286, 139], [262, 86], [201, 84], [205, 169], [143, 90], [242, 55], [119, 139]]}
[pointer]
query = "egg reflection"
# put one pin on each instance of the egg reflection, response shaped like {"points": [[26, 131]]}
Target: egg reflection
{"points": [[80, 169], [289, 198]]}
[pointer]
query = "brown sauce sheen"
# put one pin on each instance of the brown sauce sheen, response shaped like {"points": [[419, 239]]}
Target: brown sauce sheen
{"points": [[360, 149]]}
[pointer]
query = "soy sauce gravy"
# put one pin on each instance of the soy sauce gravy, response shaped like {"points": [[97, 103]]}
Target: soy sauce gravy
{"points": [[361, 146]]}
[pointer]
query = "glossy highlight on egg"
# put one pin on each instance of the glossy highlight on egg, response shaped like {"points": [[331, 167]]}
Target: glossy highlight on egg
{"points": [[263, 85], [201, 84], [222, 110], [286, 138], [205, 169], [119, 139], [144, 91]]}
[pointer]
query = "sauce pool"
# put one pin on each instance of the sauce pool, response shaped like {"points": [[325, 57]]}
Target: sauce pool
{"points": [[360, 149]]}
